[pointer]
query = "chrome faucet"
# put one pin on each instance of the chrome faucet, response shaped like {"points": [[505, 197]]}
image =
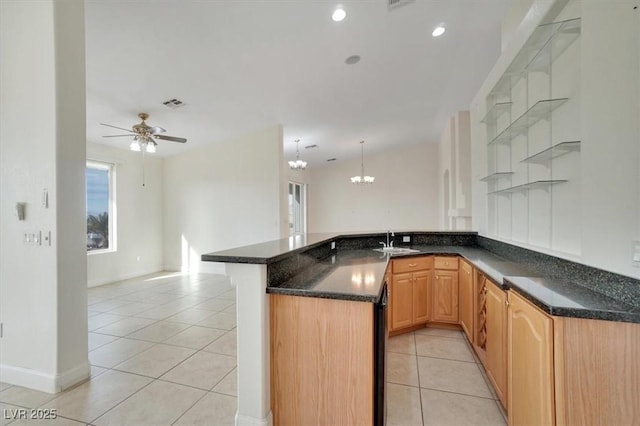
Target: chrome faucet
{"points": [[389, 243]]}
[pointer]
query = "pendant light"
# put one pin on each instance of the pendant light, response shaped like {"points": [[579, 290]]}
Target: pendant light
{"points": [[298, 164], [362, 178]]}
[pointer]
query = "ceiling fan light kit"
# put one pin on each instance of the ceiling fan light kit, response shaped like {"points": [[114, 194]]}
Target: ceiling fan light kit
{"points": [[143, 135]]}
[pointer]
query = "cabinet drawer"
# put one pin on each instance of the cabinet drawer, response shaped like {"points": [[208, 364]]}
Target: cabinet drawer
{"points": [[442, 262], [412, 264]]}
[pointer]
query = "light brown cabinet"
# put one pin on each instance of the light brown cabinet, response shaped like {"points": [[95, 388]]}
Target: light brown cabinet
{"points": [[496, 339], [445, 290], [531, 369], [322, 361], [465, 298], [409, 292], [401, 301]]}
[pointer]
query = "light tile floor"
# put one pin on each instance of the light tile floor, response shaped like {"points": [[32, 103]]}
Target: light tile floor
{"points": [[163, 352], [433, 378]]}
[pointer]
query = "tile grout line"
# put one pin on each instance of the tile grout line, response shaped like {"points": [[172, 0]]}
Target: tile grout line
{"points": [[415, 347]]}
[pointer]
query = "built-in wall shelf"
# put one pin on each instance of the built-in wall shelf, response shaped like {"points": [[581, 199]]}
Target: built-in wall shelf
{"points": [[532, 127], [495, 112], [543, 157], [496, 176], [541, 110], [539, 184], [546, 44]]}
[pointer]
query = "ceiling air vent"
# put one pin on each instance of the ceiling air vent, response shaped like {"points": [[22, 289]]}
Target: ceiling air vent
{"points": [[331, 159], [394, 4], [311, 146], [173, 103]]}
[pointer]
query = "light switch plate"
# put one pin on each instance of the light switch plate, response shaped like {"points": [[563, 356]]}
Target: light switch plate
{"points": [[636, 254]]}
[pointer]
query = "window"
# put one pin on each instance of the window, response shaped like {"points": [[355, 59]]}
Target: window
{"points": [[100, 207], [297, 208]]}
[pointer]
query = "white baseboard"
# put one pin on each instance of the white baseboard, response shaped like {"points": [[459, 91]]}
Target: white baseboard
{"points": [[242, 420], [50, 383], [202, 268], [107, 280]]}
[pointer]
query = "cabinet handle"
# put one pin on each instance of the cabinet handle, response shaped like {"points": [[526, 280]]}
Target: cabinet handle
{"points": [[446, 263], [484, 290], [437, 277], [506, 303], [413, 265]]}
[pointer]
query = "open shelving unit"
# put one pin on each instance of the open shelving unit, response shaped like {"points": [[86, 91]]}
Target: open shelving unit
{"points": [[539, 184], [557, 150], [524, 149], [541, 110]]}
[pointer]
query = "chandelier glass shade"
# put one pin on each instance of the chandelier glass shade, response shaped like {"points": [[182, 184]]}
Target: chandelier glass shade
{"points": [[362, 179], [143, 143], [298, 164]]}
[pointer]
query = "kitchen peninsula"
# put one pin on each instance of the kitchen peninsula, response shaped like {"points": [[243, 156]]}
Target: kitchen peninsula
{"points": [[572, 301]]}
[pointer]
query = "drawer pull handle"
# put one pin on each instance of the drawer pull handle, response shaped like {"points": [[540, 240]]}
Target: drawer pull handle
{"points": [[412, 265], [446, 263]]}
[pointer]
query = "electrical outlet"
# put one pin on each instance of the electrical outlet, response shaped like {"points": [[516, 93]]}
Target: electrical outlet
{"points": [[333, 245], [32, 238], [46, 238], [406, 238]]}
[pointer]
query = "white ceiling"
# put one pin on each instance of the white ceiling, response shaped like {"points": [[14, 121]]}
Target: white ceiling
{"points": [[245, 65]]}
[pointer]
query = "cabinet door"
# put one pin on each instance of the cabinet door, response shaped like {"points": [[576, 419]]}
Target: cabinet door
{"points": [[445, 297], [421, 285], [496, 344], [465, 296], [401, 301], [530, 347]]}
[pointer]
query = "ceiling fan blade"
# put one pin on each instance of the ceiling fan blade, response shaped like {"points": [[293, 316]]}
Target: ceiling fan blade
{"points": [[116, 127], [156, 130], [170, 138], [116, 136]]}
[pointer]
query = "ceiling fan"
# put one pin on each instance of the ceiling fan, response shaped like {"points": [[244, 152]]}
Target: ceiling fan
{"points": [[144, 135]]}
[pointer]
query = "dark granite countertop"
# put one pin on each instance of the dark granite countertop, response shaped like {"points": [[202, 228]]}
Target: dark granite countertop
{"points": [[272, 251], [269, 251], [567, 299], [357, 273]]}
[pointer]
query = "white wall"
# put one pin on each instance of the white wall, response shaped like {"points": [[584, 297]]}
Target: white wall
{"points": [[512, 20], [43, 296], [404, 195], [611, 134], [454, 174], [139, 217], [599, 225], [226, 195]]}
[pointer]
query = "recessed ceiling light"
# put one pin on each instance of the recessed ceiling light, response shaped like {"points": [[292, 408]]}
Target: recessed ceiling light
{"points": [[438, 31], [339, 14], [353, 59]]}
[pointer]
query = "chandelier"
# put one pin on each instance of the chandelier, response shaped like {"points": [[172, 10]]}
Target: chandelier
{"points": [[298, 164], [362, 178]]}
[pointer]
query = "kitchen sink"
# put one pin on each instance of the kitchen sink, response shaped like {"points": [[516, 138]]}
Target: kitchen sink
{"points": [[396, 250]]}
